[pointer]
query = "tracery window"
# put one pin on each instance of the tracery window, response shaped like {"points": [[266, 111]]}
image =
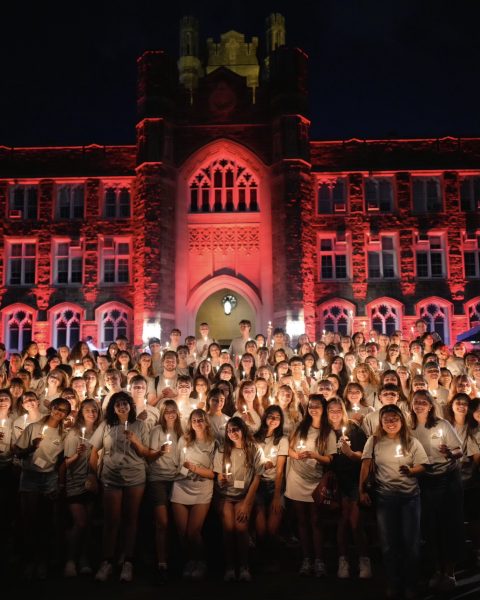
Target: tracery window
{"points": [[18, 328], [223, 186], [335, 317], [435, 316], [66, 327], [384, 318], [114, 321]]}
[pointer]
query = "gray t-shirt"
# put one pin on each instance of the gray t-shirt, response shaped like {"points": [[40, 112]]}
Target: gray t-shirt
{"points": [[165, 468], [122, 466], [240, 476], [431, 439], [76, 472], [389, 457], [45, 457], [271, 453]]}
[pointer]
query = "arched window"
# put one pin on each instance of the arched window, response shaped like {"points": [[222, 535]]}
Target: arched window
{"points": [[473, 311], [435, 313], [335, 317], [223, 186], [18, 328], [114, 320], [384, 318], [66, 327]]}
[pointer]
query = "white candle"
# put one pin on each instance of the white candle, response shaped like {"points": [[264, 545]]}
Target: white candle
{"points": [[273, 453], [398, 451], [355, 407], [44, 429], [167, 382], [301, 445], [344, 429], [126, 425], [227, 472], [128, 387], [84, 430], [2, 423], [272, 399], [169, 441], [244, 409]]}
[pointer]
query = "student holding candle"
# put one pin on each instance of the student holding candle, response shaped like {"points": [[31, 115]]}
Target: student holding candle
{"points": [[285, 399], [399, 459], [216, 417], [80, 498], [355, 403], [248, 406], [40, 447], [268, 499], [192, 492], [161, 472], [124, 441], [346, 464], [239, 466], [312, 445], [442, 494], [31, 414]]}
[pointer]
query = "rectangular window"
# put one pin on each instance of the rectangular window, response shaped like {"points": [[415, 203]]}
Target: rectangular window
{"points": [[117, 203], [23, 202], [470, 193], [471, 256], [332, 196], [21, 263], [70, 201], [378, 194], [427, 194], [68, 263], [382, 258], [430, 256], [332, 259], [116, 260]]}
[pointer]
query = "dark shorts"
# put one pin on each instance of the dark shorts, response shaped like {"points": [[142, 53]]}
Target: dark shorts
{"points": [[159, 492], [39, 481], [85, 498]]}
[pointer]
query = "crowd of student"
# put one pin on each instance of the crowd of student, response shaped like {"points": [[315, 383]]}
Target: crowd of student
{"points": [[246, 433]]}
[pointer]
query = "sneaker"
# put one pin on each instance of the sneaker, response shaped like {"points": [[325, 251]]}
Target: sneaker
{"points": [[161, 576], [343, 568], [188, 569], [126, 574], [435, 580], [364, 568], [229, 575], [84, 567], [70, 569], [199, 570], [447, 584], [319, 568], [244, 574], [104, 572], [306, 567]]}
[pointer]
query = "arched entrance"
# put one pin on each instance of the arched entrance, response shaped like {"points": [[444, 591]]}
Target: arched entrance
{"points": [[224, 327]]}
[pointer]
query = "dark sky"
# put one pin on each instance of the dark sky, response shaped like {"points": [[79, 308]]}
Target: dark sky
{"points": [[377, 68]]}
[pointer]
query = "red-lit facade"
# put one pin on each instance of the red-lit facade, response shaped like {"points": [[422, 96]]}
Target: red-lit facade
{"points": [[225, 190]]}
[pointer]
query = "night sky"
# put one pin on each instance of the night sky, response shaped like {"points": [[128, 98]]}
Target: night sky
{"points": [[377, 68]]}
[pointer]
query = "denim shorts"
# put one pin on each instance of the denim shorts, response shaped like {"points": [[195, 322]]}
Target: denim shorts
{"points": [[40, 482]]}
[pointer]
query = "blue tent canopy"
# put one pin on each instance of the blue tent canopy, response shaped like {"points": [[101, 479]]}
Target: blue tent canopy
{"points": [[472, 335]]}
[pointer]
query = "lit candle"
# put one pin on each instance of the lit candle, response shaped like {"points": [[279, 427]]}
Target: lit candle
{"points": [[44, 430], [398, 451], [344, 429], [2, 423], [126, 425], [245, 410], [320, 373], [272, 399], [412, 329], [227, 472], [380, 365], [167, 382], [184, 470], [128, 387], [356, 407], [84, 430], [25, 419], [351, 377], [169, 441], [419, 372], [295, 351], [301, 445], [273, 453]]}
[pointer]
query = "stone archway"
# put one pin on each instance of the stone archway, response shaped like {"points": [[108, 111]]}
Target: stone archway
{"points": [[224, 327]]}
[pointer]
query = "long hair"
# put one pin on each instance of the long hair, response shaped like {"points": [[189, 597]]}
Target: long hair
{"points": [[404, 433], [432, 418], [449, 414], [354, 386], [6, 392], [263, 430], [339, 402], [110, 414], [214, 393], [292, 408], [190, 435], [224, 367], [162, 421], [240, 399], [80, 419], [54, 404], [303, 427], [472, 424], [248, 443]]}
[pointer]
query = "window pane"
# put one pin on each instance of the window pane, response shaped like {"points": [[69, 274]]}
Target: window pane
{"points": [[62, 270], [327, 267], [29, 271], [109, 270], [373, 265], [123, 249], [470, 270], [388, 265], [422, 264], [123, 270], [437, 269], [341, 266], [76, 270]]}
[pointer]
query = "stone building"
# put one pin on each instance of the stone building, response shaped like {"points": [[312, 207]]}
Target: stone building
{"points": [[225, 194]]}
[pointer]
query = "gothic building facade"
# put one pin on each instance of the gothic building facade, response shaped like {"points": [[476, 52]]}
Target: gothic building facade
{"points": [[225, 194]]}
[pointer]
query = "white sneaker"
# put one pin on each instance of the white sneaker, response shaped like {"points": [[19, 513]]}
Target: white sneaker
{"points": [[319, 568], [306, 567], [343, 568], [244, 574], [126, 574], [188, 569], [199, 570], [364, 568], [229, 575], [104, 572], [70, 569]]}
